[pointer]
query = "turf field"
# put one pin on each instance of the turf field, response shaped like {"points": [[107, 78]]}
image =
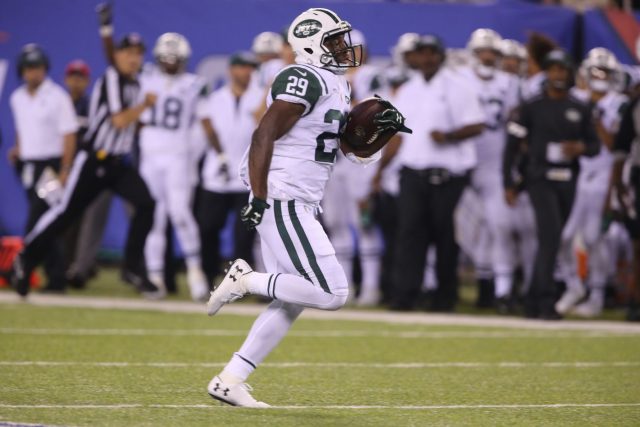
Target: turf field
{"points": [[98, 367]]}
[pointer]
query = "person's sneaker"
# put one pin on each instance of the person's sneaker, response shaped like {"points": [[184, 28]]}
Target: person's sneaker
{"points": [[231, 288], [157, 280], [368, 298], [504, 306], [589, 308], [20, 276], [198, 285], [76, 281], [235, 395], [569, 299]]}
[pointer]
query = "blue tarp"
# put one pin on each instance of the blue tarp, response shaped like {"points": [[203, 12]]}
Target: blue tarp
{"points": [[67, 29]]}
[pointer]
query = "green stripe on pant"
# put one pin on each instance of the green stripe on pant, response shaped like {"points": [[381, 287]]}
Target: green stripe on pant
{"points": [[306, 245], [286, 239]]}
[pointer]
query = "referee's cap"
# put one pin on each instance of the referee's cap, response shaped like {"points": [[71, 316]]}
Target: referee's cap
{"points": [[131, 40]]}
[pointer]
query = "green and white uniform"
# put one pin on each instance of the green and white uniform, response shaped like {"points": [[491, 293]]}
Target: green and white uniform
{"points": [[304, 157]]}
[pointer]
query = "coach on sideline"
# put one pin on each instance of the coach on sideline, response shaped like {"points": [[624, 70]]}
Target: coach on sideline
{"points": [[556, 129], [46, 127], [102, 163], [445, 112]]}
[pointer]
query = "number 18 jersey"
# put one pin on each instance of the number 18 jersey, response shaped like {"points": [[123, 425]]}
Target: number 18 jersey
{"points": [[304, 157], [167, 123]]}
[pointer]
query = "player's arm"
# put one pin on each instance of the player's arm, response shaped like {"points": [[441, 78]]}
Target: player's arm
{"points": [[131, 115], [212, 135], [277, 121], [517, 134], [68, 151], [105, 17], [14, 152]]}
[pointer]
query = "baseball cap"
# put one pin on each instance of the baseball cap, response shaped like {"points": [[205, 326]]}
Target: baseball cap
{"points": [[558, 56], [131, 40], [431, 40], [243, 58], [79, 67]]}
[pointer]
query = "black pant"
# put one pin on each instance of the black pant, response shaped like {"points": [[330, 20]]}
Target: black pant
{"points": [[212, 211], [425, 212], [386, 217], [552, 202], [54, 265], [88, 178]]}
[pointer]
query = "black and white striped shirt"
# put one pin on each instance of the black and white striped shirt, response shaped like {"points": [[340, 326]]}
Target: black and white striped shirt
{"points": [[112, 93]]}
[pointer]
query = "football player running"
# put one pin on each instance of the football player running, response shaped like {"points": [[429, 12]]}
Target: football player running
{"points": [[599, 68], [290, 159], [165, 162]]}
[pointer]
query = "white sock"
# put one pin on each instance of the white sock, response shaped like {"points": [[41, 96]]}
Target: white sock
{"points": [[266, 333], [193, 262], [504, 283], [292, 289], [597, 295]]}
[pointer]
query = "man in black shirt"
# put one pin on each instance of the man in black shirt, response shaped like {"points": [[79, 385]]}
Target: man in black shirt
{"points": [[102, 163], [555, 130], [627, 149]]}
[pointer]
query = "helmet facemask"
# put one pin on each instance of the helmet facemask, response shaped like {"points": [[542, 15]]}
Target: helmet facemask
{"points": [[342, 58]]}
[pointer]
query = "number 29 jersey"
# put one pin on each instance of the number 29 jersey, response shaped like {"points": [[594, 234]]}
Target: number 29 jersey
{"points": [[304, 157], [167, 123]]}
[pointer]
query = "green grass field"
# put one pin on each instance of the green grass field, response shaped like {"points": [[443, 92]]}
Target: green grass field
{"points": [[110, 367]]}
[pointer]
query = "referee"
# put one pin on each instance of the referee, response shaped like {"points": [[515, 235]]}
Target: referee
{"points": [[102, 163], [556, 129]]}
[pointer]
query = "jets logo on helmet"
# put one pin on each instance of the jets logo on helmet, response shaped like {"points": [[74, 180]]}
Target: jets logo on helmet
{"points": [[315, 37], [307, 28]]}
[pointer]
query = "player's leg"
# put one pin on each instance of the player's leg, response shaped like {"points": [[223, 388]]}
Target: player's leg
{"points": [[178, 199], [81, 188], [129, 185], [243, 239], [314, 277], [567, 258], [411, 240], [370, 245], [154, 175], [597, 250], [211, 215]]}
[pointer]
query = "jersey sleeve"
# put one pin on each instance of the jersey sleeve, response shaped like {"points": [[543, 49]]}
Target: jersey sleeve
{"points": [[67, 119], [464, 102], [297, 85]]}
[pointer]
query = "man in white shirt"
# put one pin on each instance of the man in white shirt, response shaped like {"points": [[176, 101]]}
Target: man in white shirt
{"points": [[230, 113], [46, 125], [444, 113]]}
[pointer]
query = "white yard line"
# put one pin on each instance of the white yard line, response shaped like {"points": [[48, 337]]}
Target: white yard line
{"points": [[351, 407], [247, 309], [315, 333], [411, 365]]}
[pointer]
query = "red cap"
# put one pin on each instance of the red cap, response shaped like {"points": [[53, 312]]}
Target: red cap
{"points": [[77, 67]]}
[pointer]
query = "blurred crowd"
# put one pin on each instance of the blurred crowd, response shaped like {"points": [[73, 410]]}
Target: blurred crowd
{"points": [[523, 166]]}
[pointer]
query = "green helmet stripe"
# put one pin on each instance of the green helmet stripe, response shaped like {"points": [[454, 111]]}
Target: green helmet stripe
{"points": [[328, 12]]}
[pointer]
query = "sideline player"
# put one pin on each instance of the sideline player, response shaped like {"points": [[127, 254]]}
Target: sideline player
{"points": [[165, 161], [600, 69], [288, 164]]}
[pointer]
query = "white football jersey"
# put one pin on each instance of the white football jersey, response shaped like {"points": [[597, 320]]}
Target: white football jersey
{"points": [[167, 123], [498, 97], [303, 158], [609, 111]]}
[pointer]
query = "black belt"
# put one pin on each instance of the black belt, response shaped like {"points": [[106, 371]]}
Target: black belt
{"points": [[435, 176]]}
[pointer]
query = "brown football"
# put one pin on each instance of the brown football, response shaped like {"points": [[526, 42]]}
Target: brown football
{"points": [[360, 133]]}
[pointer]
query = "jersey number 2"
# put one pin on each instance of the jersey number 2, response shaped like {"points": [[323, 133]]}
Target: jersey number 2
{"points": [[325, 137]]}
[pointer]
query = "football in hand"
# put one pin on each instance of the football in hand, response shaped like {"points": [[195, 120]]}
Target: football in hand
{"points": [[361, 134]]}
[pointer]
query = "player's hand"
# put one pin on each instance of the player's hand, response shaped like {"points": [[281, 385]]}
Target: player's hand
{"points": [[105, 14], [251, 215], [573, 149], [13, 155], [390, 119], [150, 99], [511, 196], [376, 183], [63, 176], [439, 137]]}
